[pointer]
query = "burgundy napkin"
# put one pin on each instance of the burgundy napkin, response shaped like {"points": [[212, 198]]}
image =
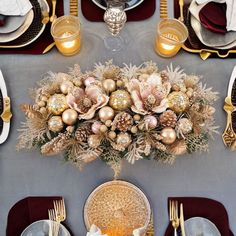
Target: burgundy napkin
{"points": [[42, 42], [93, 13], [204, 207], [2, 20], [27, 211], [213, 17]]}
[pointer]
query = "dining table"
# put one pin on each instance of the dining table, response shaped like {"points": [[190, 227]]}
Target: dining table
{"points": [[27, 173]]}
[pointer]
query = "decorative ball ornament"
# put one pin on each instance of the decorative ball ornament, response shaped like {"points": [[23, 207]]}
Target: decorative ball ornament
{"points": [[112, 135], [96, 127], [109, 85], [88, 81], [150, 122], [57, 104], [184, 126], [106, 113], [55, 124], [66, 86], [120, 100], [168, 135], [178, 101], [69, 116], [103, 128], [123, 139], [94, 141]]}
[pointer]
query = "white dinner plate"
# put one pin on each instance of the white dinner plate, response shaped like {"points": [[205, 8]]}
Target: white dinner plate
{"points": [[12, 23], [199, 226], [211, 39], [4, 38], [130, 4], [41, 228]]}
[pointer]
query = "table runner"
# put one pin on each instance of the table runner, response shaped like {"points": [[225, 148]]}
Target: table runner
{"points": [[93, 13], [27, 211], [203, 207], [42, 42]]}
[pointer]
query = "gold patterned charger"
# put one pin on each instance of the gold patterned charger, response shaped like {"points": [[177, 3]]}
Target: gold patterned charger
{"points": [[117, 206]]}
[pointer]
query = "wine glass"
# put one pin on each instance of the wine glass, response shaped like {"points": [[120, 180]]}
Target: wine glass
{"points": [[115, 18]]}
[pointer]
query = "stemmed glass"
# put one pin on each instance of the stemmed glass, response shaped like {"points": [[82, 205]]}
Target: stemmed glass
{"points": [[115, 18]]}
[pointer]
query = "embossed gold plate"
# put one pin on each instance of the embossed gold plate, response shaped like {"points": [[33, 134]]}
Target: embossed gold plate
{"points": [[117, 204]]}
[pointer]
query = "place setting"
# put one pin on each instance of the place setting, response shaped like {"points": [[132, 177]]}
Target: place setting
{"points": [[25, 25], [211, 27]]}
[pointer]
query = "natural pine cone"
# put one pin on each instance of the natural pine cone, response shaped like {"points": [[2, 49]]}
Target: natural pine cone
{"points": [[168, 119], [84, 104], [83, 132], [123, 121]]}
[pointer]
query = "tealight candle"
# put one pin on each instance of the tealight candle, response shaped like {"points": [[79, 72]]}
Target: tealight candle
{"points": [[66, 33], [171, 34]]}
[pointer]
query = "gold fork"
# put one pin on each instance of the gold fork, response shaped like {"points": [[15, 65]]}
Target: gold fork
{"points": [[163, 9], [173, 215], [53, 225], [60, 209]]}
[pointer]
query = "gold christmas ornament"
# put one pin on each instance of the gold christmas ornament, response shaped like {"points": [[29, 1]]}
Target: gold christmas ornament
{"points": [[168, 135], [106, 113], [109, 85], [94, 141], [112, 135], [123, 139], [66, 86], [178, 101], [137, 117], [55, 124], [184, 126], [57, 104], [120, 100], [69, 116], [103, 129]]}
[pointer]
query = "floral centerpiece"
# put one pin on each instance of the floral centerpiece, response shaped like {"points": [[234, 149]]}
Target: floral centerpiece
{"points": [[116, 113]]}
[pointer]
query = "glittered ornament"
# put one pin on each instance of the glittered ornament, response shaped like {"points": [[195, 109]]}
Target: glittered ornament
{"points": [[109, 85], [94, 141], [57, 104], [55, 124], [66, 86], [178, 101], [69, 116], [123, 139], [183, 127], [168, 135], [106, 113], [120, 100]]}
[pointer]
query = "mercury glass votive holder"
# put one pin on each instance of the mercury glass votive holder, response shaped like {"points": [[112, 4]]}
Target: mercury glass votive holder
{"points": [[170, 36], [65, 31]]}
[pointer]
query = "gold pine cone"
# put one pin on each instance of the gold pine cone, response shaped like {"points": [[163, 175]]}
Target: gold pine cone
{"points": [[83, 132], [168, 119], [123, 121]]}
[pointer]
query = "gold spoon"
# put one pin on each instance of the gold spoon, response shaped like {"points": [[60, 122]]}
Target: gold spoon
{"points": [[53, 16]]}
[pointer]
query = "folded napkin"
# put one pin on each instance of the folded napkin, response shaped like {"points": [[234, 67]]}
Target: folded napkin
{"points": [[93, 13], [2, 20], [95, 231], [230, 12], [14, 7], [27, 211], [204, 207]]}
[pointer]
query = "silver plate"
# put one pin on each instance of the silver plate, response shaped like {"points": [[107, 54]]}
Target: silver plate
{"points": [[199, 226], [130, 4], [41, 228]]}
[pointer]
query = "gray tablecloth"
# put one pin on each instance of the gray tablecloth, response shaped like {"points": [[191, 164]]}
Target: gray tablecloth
{"points": [[22, 174]]}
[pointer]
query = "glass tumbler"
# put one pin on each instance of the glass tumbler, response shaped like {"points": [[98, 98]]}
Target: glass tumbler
{"points": [[65, 31], [171, 34]]}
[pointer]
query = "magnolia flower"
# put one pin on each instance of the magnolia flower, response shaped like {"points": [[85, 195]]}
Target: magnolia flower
{"points": [[87, 101], [149, 95]]}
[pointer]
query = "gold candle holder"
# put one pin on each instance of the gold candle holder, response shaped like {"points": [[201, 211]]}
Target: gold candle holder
{"points": [[171, 34], [66, 33]]}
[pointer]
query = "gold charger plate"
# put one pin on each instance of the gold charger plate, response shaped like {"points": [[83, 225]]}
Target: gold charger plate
{"points": [[117, 205]]}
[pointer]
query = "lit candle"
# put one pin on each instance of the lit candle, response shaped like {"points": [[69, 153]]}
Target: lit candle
{"points": [[171, 34], [66, 33]]}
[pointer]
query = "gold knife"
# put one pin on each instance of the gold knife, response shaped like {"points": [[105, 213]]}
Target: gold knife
{"points": [[182, 220]]}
